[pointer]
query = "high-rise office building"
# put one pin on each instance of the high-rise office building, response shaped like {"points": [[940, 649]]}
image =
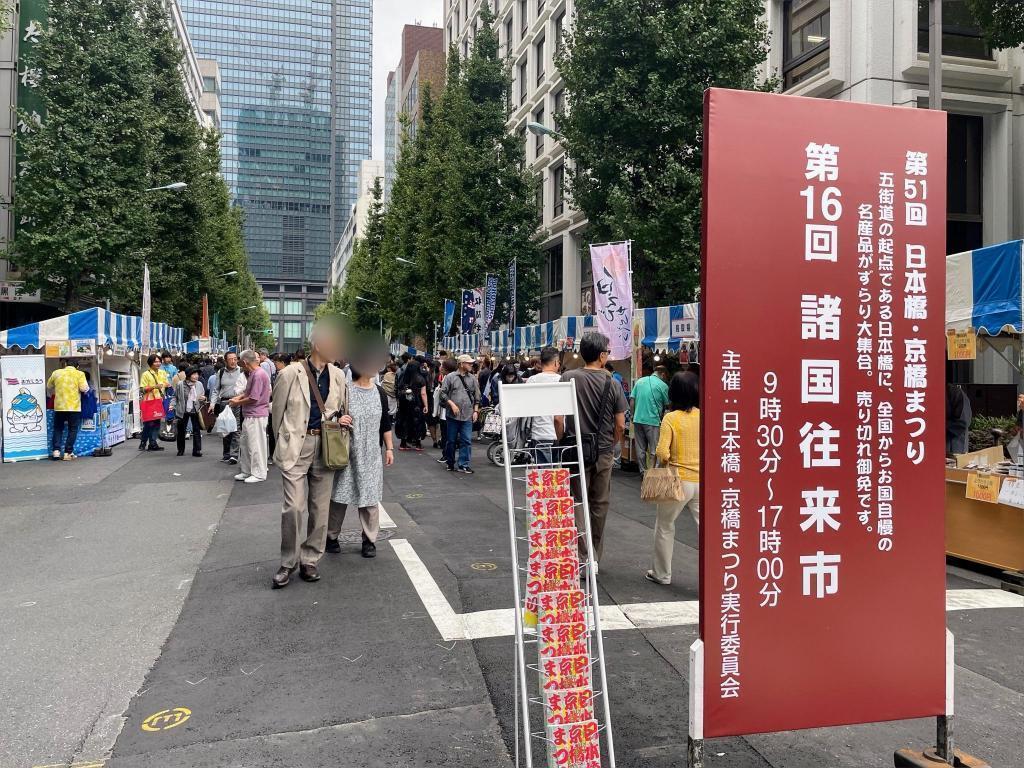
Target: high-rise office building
{"points": [[295, 117], [422, 64]]}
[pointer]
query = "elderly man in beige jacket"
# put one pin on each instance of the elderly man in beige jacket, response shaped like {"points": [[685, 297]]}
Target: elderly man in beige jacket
{"points": [[307, 483]]}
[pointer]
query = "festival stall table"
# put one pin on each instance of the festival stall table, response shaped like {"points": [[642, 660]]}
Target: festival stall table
{"points": [[984, 511], [108, 345]]}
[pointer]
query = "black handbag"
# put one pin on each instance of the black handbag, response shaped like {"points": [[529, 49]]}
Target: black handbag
{"points": [[567, 445]]}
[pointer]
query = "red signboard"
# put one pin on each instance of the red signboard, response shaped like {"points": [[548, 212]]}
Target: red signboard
{"points": [[822, 494]]}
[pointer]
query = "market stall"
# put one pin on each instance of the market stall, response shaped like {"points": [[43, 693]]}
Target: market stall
{"points": [[108, 345], [985, 317], [462, 344]]}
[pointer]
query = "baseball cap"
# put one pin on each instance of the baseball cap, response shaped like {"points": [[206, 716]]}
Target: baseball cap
{"points": [[465, 359]]}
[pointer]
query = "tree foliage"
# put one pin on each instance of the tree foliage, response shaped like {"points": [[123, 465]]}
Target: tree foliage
{"points": [[1001, 21], [117, 122], [462, 204], [635, 75]]}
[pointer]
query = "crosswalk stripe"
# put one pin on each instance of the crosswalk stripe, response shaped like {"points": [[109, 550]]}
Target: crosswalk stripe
{"points": [[478, 625]]}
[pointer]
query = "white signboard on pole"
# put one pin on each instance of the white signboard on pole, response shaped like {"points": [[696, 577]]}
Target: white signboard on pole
{"points": [[23, 392]]}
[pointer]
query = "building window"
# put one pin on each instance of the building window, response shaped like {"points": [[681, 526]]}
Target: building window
{"points": [[558, 191], [806, 39], [540, 61], [538, 140], [961, 35], [508, 36], [964, 154], [558, 110], [540, 199], [559, 31], [551, 285], [524, 86], [292, 307], [293, 331], [524, 20], [522, 142], [540, 8], [209, 84], [273, 306]]}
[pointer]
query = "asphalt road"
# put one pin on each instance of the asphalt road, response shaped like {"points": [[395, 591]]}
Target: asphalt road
{"points": [[391, 661]]}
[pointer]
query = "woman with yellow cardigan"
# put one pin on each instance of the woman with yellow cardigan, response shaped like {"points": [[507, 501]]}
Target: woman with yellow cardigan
{"points": [[678, 447]]}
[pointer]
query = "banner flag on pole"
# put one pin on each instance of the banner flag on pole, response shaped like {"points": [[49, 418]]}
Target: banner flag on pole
{"points": [[490, 300], [478, 310], [512, 294], [449, 317], [613, 295], [468, 311], [147, 309]]}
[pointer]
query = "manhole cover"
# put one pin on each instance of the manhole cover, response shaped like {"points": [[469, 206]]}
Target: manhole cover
{"points": [[414, 495], [484, 567], [356, 537]]}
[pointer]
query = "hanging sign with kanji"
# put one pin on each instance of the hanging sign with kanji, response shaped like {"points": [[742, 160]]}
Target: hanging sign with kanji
{"points": [[822, 493]]}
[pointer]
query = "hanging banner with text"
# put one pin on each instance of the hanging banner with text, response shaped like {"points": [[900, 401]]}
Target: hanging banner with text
{"points": [[512, 294], [613, 294], [23, 397], [490, 300], [822, 494]]}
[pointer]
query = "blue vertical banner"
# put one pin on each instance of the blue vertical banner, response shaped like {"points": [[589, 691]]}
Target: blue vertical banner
{"points": [[490, 300], [449, 316], [468, 310], [512, 294]]}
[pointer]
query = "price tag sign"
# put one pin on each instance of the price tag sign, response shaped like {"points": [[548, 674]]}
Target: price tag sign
{"points": [[1011, 492], [983, 487], [961, 345]]}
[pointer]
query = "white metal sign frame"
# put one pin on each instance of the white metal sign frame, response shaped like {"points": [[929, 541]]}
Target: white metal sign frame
{"points": [[531, 401]]}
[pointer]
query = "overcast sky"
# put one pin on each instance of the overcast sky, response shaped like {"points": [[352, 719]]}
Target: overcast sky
{"points": [[389, 16]]}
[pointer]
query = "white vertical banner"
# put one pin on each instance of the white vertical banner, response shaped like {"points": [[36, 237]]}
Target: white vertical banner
{"points": [[147, 309], [23, 393], [613, 295]]}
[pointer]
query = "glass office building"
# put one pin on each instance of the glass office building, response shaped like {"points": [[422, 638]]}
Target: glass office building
{"points": [[295, 106]]}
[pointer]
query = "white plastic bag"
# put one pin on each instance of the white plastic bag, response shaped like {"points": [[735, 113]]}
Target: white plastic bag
{"points": [[226, 423]]}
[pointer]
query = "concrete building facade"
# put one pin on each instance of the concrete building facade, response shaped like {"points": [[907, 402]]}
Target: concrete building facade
{"points": [[355, 227], [529, 34]]}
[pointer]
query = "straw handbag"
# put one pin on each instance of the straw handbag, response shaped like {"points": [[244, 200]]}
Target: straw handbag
{"points": [[661, 484]]}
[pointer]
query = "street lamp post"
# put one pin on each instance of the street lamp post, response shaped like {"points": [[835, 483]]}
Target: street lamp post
{"points": [[376, 304], [405, 261], [232, 273], [542, 130], [176, 186]]}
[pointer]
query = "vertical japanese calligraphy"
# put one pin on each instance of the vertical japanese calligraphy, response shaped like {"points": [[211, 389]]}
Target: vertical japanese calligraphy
{"points": [[822, 425], [613, 296]]}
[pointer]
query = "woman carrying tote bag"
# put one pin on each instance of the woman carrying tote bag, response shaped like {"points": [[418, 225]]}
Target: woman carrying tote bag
{"points": [[679, 448]]}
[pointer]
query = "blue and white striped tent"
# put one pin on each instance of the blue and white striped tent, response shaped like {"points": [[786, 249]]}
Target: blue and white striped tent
{"points": [[463, 344], [984, 289], [217, 346], [669, 328], [106, 328]]}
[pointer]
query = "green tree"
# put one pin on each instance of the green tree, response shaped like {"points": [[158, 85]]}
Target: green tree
{"points": [[635, 75], [364, 278], [81, 212], [462, 204], [1001, 21]]}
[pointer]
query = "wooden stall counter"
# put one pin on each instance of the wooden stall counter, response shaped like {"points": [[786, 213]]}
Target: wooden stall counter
{"points": [[983, 532]]}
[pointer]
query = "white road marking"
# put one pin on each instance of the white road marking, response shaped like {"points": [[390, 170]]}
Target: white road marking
{"points": [[251, 671], [478, 625], [385, 518]]}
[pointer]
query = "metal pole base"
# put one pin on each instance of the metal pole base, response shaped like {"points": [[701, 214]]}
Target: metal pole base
{"points": [[694, 753], [908, 758]]}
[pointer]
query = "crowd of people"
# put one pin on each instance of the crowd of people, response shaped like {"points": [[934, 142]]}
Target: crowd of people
{"points": [[284, 407]]}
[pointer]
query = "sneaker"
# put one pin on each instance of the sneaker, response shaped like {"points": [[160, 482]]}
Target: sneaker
{"points": [[651, 577], [155, 448], [333, 546], [232, 460], [418, 448], [241, 476], [198, 454], [253, 480], [55, 456], [142, 446], [225, 459], [466, 470], [369, 549], [69, 457], [441, 461], [403, 447], [450, 467]]}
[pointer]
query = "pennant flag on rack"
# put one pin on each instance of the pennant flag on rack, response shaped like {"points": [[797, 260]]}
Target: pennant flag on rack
{"points": [[449, 317], [613, 295]]}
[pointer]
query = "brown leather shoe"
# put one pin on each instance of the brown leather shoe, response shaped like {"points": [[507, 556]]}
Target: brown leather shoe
{"points": [[309, 573], [283, 577]]}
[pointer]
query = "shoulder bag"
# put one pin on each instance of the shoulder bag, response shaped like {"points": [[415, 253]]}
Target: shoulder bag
{"points": [[335, 439], [661, 484], [587, 439]]}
